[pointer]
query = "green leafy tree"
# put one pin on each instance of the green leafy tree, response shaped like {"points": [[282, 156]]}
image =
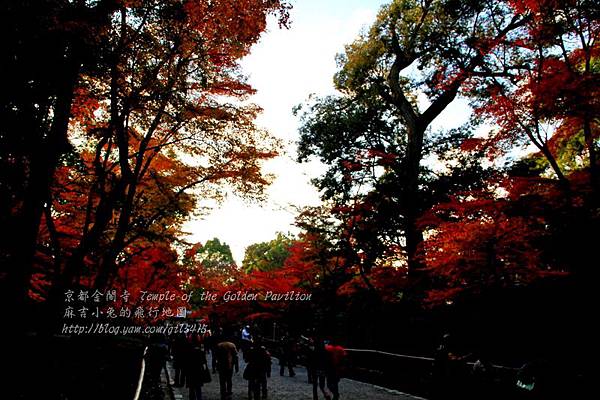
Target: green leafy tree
{"points": [[210, 267], [215, 254], [267, 256]]}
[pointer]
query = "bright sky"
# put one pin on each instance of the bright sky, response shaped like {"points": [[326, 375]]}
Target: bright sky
{"points": [[285, 67]]}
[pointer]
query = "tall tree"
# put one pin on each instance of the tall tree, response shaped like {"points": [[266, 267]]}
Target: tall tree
{"points": [[48, 45], [540, 90], [415, 59], [170, 71], [155, 120]]}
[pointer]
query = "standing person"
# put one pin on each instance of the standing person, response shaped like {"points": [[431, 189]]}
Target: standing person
{"points": [[179, 353], [211, 345], [196, 372], [317, 359], [156, 360], [257, 370], [307, 350], [287, 355], [334, 367], [446, 366], [246, 341], [226, 361]]}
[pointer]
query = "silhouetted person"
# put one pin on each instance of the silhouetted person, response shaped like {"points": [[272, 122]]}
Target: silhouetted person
{"points": [[257, 370], [287, 356], [226, 361], [211, 345], [196, 368], [179, 349], [446, 366], [307, 349], [318, 360], [334, 365], [156, 360]]}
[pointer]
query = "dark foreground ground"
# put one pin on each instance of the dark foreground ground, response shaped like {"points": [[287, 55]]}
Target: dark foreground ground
{"points": [[108, 368], [71, 368]]}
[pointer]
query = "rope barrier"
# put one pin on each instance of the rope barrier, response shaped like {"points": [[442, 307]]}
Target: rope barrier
{"points": [[429, 359]]}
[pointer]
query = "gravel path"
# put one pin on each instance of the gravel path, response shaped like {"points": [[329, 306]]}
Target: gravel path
{"points": [[296, 388]]}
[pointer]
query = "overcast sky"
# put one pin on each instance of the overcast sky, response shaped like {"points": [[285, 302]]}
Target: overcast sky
{"points": [[285, 67]]}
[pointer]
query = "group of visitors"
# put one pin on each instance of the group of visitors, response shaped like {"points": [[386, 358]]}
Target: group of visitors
{"points": [[325, 363], [191, 365], [190, 362], [453, 376]]}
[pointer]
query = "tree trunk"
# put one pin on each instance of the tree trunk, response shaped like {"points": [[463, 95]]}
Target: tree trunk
{"points": [[414, 235], [44, 161]]}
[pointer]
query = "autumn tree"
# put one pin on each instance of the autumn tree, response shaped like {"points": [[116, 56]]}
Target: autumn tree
{"points": [[417, 49], [164, 96], [158, 123], [400, 191], [65, 219], [543, 87], [48, 45], [539, 94]]}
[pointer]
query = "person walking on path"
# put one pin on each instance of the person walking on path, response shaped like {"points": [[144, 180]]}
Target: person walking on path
{"points": [[447, 365], [306, 349], [226, 361], [287, 356], [179, 351], [211, 343], [246, 339], [196, 368], [156, 360], [257, 370], [334, 367], [317, 359]]}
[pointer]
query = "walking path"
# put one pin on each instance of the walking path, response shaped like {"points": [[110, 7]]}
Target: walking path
{"points": [[287, 388]]}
